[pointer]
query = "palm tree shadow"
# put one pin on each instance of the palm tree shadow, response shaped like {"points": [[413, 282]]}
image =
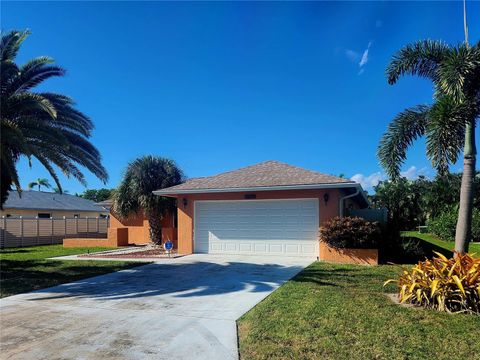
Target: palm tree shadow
{"points": [[179, 280]]}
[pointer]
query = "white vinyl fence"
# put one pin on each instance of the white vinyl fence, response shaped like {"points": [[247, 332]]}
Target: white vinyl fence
{"points": [[20, 232]]}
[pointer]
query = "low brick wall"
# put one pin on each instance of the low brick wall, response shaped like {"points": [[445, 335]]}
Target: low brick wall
{"points": [[116, 237], [348, 256], [88, 242]]}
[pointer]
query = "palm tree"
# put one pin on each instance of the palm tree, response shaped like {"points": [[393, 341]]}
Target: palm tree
{"points": [[41, 125], [135, 193], [39, 182], [448, 124]]}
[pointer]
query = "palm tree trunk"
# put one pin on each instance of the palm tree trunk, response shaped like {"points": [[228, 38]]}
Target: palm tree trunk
{"points": [[155, 223], [464, 223]]}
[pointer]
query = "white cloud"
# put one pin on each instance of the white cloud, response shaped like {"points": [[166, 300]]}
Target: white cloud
{"points": [[364, 59], [359, 58], [369, 181], [413, 173]]}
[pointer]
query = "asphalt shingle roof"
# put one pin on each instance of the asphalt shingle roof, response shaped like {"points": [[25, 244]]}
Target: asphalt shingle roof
{"points": [[265, 174], [49, 201]]}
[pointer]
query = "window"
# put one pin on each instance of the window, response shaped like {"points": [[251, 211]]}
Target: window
{"points": [[44, 215]]}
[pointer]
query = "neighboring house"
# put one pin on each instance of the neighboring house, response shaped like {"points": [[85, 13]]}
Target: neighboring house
{"points": [[41, 204], [269, 208], [107, 204]]}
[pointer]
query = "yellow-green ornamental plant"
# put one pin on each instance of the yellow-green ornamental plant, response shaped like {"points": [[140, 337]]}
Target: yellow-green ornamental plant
{"points": [[450, 285]]}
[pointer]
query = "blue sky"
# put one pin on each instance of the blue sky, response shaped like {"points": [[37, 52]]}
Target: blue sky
{"points": [[217, 86]]}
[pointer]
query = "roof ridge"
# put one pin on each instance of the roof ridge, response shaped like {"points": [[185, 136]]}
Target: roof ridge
{"points": [[312, 171], [235, 170]]}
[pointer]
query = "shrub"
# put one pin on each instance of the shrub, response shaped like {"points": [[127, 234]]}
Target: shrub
{"points": [[450, 285], [350, 232], [445, 224]]}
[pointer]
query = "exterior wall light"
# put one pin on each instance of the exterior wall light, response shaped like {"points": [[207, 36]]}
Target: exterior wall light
{"points": [[326, 197], [185, 202]]}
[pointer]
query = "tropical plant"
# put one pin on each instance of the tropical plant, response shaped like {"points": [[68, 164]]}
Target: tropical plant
{"points": [[448, 124], [98, 195], [403, 199], [350, 232], [39, 182], [443, 225], [41, 125], [135, 193], [450, 285]]}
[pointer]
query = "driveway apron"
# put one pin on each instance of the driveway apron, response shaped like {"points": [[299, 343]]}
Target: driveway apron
{"points": [[183, 308]]}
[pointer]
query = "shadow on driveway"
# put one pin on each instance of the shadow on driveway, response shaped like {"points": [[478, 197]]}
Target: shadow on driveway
{"points": [[181, 280]]}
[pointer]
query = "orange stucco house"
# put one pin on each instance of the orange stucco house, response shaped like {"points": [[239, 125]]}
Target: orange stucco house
{"points": [[269, 208]]}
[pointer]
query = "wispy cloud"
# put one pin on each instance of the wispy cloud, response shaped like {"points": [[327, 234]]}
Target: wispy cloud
{"points": [[352, 55], [359, 58], [364, 59]]}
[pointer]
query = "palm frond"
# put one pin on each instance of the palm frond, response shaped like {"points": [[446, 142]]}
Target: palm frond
{"points": [[141, 178], [445, 133], [405, 128], [28, 103], [459, 71], [45, 125], [34, 73], [421, 58], [10, 44]]}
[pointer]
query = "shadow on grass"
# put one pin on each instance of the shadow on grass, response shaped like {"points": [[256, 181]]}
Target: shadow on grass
{"points": [[14, 251], [18, 276], [410, 250]]}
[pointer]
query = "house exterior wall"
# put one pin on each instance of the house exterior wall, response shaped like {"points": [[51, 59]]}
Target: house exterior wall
{"points": [[138, 228], [32, 213], [186, 213]]}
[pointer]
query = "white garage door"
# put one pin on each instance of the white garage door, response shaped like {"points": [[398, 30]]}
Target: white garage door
{"points": [[263, 227]]}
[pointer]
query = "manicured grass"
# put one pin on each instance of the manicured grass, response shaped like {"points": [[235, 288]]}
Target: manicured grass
{"points": [[27, 269], [447, 245], [341, 312]]}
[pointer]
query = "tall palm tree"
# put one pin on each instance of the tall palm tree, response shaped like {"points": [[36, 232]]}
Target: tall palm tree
{"points": [[448, 124], [41, 125], [39, 182], [135, 193]]}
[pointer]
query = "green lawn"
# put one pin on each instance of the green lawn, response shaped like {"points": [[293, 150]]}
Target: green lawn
{"points": [[27, 269], [447, 245], [341, 312]]}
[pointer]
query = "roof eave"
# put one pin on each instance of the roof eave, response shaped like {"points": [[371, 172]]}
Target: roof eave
{"points": [[173, 192], [51, 209]]}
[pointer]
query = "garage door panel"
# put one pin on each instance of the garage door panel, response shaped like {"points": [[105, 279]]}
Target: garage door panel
{"points": [[283, 227]]}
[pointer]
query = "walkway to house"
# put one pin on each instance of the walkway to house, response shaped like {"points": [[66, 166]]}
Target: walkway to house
{"points": [[179, 308]]}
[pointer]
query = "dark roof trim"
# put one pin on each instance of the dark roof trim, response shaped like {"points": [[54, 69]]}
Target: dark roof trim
{"points": [[173, 192]]}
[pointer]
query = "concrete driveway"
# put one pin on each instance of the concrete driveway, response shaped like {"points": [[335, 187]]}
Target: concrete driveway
{"points": [[182, 308]]}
